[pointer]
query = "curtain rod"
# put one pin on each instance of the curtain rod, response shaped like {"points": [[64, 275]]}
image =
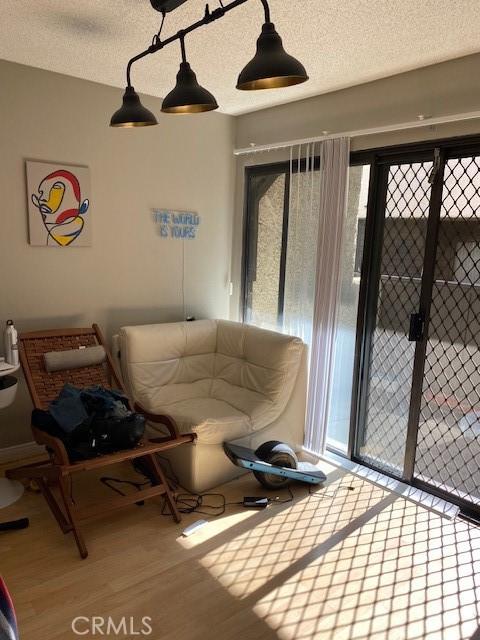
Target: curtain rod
{"points": [[415, 124]]}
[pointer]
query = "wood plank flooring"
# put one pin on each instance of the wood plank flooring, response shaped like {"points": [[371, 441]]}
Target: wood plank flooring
{"points": [[336, 565]]}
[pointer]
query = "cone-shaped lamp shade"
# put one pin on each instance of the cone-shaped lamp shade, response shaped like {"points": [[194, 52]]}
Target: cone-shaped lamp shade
{"points": [[132, 113], [188, 96], [272, 67]]}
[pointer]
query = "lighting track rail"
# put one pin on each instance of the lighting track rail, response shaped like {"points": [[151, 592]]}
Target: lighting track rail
{"points": [[271, 67]]}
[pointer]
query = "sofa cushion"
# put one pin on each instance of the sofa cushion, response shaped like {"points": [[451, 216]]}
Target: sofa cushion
{"points": [[169, 362], [255, 370], [242, 399], [165, 342], [214, 421]]}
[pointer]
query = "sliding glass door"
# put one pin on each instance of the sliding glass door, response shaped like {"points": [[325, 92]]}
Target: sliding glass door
{"points": [[416, 410], [400, 240], [448, 442]]}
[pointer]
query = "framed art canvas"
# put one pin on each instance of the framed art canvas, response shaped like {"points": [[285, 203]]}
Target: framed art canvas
{"points": [[59, 206]]}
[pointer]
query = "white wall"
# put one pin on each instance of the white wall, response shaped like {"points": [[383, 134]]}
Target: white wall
{"points": [[130, 275]]}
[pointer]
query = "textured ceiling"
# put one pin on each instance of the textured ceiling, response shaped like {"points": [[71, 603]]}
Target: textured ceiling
{"points": [[340, 42]]}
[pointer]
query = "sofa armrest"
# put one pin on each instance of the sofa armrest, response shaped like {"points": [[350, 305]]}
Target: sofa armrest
{"points": [[166, 421]]}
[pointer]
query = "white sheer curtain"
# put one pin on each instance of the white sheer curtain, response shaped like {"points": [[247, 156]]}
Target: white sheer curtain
{"points": [[317, 201], [318, 196], [334, 167], [303, 219]]}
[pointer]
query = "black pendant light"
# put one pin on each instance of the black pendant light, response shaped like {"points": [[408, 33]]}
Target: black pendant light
{"points": [[272, 67], [132, 113], [188, 96]]}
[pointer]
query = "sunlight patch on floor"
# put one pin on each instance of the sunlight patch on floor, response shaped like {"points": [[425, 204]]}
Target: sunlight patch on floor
{"points": [[406, 574], [214, 527], [288, 532], [363, 565]]}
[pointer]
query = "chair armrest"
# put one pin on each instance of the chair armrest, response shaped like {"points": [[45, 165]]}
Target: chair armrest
{"points": [[166, 421], [54, 444]]}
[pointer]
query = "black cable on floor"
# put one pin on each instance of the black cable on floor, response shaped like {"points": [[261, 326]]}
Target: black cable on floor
{"points": [[277, 500], [195, 503], [188, 502], [108, 480], [321, 494]]}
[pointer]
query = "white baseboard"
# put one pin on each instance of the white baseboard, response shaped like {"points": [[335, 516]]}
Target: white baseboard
{"points": [[20, 451]]}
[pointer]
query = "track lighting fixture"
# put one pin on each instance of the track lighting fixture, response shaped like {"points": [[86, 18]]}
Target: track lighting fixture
{"points": [[270, 68]]}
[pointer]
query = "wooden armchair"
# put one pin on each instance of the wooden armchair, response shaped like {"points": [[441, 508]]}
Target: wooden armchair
{"points": [[55, 475]]}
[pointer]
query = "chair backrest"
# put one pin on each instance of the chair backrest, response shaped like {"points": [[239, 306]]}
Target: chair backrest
{"points": [[45, 386]]}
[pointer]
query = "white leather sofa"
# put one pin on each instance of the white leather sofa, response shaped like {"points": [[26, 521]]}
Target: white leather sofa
{"points": [[225, 381]]}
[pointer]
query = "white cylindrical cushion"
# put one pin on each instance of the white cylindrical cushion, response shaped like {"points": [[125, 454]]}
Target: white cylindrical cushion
{"points": [[74, 358]]}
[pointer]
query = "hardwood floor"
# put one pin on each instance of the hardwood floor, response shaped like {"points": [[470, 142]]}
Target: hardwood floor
{"points": [[339, 565]]}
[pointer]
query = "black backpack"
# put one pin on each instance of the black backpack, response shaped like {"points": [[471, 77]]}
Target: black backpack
{"points": [[96, 436]]}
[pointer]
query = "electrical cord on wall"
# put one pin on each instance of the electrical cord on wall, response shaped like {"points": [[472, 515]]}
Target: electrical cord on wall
{"points": [[183, 280]]}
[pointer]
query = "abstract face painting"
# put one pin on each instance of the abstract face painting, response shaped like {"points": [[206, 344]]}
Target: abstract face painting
{"points": [[59, 205]]}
